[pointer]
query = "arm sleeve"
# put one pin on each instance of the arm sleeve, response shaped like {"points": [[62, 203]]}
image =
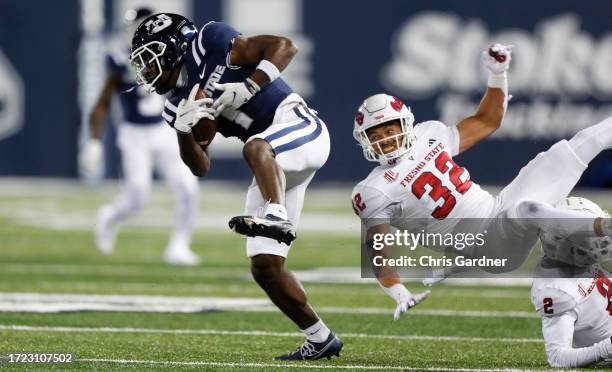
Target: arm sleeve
{"points": [[558, 334]]}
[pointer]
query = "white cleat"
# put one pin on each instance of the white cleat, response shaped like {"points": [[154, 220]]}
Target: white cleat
{"points": [[183, 257], [105, 231]]}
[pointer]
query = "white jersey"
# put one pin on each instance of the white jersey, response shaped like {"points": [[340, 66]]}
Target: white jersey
{"points": [[426, 185], [588, 299], [576, 316]]}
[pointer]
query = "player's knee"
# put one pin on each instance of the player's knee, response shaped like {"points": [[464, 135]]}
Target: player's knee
{"points": [[257, 150], [265, 267], [138, 196]]}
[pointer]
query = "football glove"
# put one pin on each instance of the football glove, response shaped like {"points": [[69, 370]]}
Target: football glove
{"points": [[91, 160], [497, 58], [189, 111], [404, 298], [234, 94]]}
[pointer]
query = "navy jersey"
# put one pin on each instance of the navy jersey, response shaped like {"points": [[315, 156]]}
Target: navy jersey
{"points": [[138, 106], [207, 61]]}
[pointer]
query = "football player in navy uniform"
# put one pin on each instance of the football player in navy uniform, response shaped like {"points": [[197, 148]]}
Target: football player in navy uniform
{"points": [[216, 73], [145, 142]]}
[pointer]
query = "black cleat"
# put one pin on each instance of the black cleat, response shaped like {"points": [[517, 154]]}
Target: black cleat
{"points": [[315, 350], [269, 227]]}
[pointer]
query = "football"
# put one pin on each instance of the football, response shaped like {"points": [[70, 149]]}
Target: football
{"points": [[204, 131]]}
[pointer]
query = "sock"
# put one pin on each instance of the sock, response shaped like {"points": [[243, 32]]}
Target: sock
{"points": [[185, 217], [276, 210], [589, 142], [317, 332]]}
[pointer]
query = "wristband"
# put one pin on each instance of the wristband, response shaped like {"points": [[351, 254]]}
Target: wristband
{"points": [[269, 69], [499, 81], [251, 86]]}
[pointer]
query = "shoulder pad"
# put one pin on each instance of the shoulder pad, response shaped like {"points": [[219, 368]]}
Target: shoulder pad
{"points": [[549, 301], [369, 201]]}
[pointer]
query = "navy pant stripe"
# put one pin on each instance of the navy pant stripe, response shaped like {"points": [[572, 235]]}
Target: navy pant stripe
{"points": [[285, 131], [301, 140]]}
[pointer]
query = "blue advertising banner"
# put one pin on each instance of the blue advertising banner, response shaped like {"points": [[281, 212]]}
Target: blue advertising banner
{"points": [[39, 115], [426, 53]]}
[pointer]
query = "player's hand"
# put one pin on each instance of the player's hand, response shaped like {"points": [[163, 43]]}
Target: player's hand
{"points": [[90, 160], [189, 111], [234, 94], [497, 58], [405, 303]]}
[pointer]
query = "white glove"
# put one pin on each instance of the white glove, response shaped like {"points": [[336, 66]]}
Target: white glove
{"points": [[189, 111], [404, 299], [90, 160], [234, 94], [497, 58]]}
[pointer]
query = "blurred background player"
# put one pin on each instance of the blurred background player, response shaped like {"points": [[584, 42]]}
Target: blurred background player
{"points": [[573, 294], [285, 142], [146, 143]]}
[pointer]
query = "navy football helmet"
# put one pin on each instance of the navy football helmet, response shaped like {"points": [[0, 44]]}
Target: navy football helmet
{"points": [[158, 45]]}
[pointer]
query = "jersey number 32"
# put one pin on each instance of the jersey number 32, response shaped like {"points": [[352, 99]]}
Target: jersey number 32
{"points": [[445, 164]]}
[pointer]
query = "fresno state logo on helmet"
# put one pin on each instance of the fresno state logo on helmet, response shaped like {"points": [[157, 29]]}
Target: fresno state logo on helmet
{"points": [[359, 118], [397, 104]]}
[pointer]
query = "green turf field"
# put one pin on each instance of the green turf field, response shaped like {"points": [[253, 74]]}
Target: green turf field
{"points": [[459, 328]]}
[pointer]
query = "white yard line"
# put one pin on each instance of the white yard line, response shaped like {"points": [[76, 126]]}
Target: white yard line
{"points": [[222, 332], [51, 303], [300, 365], [344, 275]]}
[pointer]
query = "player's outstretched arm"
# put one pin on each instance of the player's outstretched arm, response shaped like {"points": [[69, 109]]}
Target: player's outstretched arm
{"points": [[387, 277], [100, 109], [270, 54], [558, 334], [490, 112]]}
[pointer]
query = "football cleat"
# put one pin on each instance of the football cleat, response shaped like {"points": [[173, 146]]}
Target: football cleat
{"points": [[181, 257], [315, 350], [269, 227]]}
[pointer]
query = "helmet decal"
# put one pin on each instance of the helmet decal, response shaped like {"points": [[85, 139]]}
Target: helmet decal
{"points": [[397, 104], [157, 24], [359, 118]]}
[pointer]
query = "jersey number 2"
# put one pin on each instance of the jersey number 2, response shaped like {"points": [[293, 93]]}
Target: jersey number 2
{"points": [[358, 204], [446, 165]]}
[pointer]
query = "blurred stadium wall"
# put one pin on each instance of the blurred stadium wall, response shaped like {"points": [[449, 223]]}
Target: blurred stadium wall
{"points": [[426, 53]]}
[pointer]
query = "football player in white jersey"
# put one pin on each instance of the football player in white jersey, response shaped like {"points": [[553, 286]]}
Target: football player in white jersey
{"points": [[573, 295], [145, 142], [418, 187]]}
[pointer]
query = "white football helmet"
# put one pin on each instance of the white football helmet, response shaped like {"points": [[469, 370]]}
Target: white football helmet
{"points": [[584, 252], [379, 109]]}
